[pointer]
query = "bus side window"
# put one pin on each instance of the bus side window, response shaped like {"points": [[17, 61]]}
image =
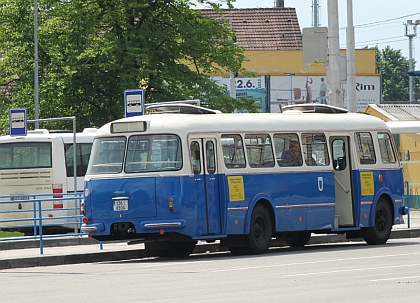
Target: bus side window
{"points": [[195, 157], [210, 158], [288, 152], [233, 151], [259, 150], [315, 149], [339, 154], [385, 146], [365, 149]]}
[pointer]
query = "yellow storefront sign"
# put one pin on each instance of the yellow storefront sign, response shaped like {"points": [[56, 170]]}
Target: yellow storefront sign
{"points": [[366, 181], [236, 188]]}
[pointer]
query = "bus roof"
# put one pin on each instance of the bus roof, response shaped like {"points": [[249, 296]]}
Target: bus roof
{"points": [[45, 135], [404, 127], [260, 122]]}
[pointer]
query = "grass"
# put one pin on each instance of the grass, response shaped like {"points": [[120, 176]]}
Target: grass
{"points": [[8, 234]]}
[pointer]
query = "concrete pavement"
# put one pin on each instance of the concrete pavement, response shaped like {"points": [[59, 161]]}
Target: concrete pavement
{"points": [[74, 250]]}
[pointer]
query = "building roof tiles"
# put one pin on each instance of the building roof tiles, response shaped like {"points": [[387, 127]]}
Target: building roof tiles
{"points": [[263, 28]]}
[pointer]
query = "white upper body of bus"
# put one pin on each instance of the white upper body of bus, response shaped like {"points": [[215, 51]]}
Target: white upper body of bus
{"points": [[183, 124], [39, 158]]}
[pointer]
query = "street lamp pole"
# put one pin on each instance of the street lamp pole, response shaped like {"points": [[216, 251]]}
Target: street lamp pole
{"points": [[411, 32], [36, 95]]}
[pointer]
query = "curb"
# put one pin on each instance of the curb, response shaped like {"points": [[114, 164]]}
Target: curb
{"points": [[106, 256], [54, 242]]}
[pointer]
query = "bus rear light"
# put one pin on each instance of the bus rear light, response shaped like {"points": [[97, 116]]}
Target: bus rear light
{"points": [[85, 220], [82, 208], [171, 204], [58, 189], [57, 204], [89, 235]]}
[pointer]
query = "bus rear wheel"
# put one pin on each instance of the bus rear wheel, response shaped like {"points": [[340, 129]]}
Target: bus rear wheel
{"points": [[259, 238], [381, 230]]}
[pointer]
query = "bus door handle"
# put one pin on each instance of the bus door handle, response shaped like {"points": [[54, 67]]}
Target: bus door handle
{"points": [[197, 179], [212, 179]]}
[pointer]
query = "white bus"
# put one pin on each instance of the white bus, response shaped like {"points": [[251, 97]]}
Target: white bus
{"points": [[42, 162]]}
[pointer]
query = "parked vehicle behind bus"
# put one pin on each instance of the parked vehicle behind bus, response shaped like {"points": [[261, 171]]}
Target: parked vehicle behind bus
{"points": [[179, 179], [42, 162]]}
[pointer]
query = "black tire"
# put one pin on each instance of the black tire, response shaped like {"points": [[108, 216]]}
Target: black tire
{"points": [[300, 239], [259, 238], [176, 250], [381, 230]]}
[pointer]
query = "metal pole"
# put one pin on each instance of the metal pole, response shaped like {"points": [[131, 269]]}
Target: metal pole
{"points": [[76, 202], [36, 94], [315, 13], [232, 84], [351, 61], [410, 68], [334, 55]]}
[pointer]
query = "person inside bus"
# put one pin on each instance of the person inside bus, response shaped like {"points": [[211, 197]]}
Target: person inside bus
{"points": [[292, 156], [116, 156]]}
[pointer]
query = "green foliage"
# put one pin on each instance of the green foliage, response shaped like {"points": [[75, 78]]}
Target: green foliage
{"points": [[394, 70], [91, 51]]}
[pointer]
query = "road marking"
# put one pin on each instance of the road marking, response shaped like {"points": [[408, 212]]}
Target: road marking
{"points": [[390, 279], [350, 270], [313, 262]]}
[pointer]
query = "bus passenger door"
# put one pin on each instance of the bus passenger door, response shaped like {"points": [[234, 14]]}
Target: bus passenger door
{"points": [[344, 208], [208, 172]]}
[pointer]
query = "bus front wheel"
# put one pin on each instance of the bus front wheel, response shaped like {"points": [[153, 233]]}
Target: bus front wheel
{"points": [[381, 230], [259, 238]]}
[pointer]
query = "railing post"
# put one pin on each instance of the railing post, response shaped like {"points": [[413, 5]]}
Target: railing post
{"points": [[34, 217], [407, 190], [41, 244]]}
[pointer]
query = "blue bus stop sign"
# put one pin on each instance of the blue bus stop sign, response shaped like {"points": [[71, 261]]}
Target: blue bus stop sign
{"points": [[134, 102], [17, 122]]}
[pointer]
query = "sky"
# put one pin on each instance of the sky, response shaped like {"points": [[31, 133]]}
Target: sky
{"points": [[376, 22]]}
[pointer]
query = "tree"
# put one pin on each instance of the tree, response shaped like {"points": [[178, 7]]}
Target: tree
{"points": [[91, 51], [394, 70]]}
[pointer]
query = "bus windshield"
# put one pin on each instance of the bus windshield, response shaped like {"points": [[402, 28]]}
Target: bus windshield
{"points": [[144, 154], [25, 155]]}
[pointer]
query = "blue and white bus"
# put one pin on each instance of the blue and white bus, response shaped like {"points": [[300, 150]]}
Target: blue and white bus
{"points": [[170, 180]]}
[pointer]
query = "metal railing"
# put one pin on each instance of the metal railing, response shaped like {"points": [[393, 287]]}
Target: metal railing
{"points": [[35, 212]]}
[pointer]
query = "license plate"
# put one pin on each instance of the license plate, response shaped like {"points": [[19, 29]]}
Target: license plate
{"points": [[120, 205], [21, 198]]}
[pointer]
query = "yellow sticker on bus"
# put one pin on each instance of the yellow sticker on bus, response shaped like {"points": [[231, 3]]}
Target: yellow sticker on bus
{"points": [[366, 181], [236, 188]]}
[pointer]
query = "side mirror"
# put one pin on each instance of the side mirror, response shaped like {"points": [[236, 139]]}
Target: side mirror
{"points": [[407, 155]]}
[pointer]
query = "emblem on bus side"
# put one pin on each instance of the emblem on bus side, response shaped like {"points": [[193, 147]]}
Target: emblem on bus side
{"points": [[320, 184]]}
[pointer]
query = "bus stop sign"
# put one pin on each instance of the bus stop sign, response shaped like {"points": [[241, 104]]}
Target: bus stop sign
{"points": [[134, 102], [17, 122]]}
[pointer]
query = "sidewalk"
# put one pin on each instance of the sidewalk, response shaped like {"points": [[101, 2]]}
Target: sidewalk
{"points": [[61, 251]]}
